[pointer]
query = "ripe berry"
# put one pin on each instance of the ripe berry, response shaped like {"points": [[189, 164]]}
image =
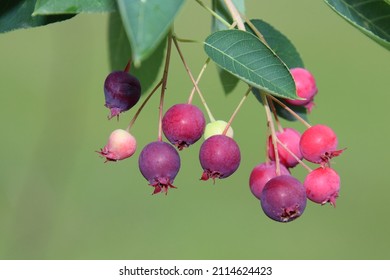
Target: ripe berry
{"points": [[283, 198], [322, 185], [216, 128], [289, 137], [183, 125], [318, 144], [305, 86], [219, 156], [261, 174], [121, 144], [159, 163], [122, 91]]}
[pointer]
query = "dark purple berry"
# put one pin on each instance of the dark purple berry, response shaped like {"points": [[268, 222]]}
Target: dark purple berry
{"points": [[283, 198], [159, 163], [183, 125], [122, 91], [219, 156]]}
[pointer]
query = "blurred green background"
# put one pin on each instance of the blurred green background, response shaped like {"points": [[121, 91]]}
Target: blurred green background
{"points": [[58, 200]]}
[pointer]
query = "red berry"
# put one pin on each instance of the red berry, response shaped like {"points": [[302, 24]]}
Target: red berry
{"points": [[305, 86], [261, 174], [289, 137], [322, 185], [319, 144], [283, 198], [183, 125], [121, 144], [219, 156]]}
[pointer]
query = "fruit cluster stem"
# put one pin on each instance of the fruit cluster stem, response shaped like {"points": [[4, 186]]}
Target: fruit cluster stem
{"points": [[236, 111]]}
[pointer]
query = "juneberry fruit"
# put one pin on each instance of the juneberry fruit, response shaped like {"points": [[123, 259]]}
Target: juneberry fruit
{"points": [[306, 87], [183, 125], [322, 185], [159, 163], [216, 128], [261, 174], [290, 138], [318, 144], [121, 144], [122, 91], [283, 198], [219, 157]]}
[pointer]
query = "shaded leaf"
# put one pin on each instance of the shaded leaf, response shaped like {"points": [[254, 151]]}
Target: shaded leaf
{"points": [[15, 14], [44, 7], [147, 23], [120, 53], [245, 56], [372, 17]]}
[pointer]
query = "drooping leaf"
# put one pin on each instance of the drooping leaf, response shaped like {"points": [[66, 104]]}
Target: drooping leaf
{"points": [[147, 23], [372, 17], [15, 14], [120, 53], [245, 56], [279, 43], [45, 7], [229, 82]]}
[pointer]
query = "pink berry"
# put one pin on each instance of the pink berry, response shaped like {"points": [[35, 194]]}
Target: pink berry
{"points": [[261, 174], [305, 86], [290, 138], [322, 185], [183, 125], [121, 144], [219, 156], [319, 144]]}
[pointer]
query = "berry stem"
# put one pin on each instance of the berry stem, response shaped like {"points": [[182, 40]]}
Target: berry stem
{"points": [[142, 106], [128, 66], [235, 14], [236, 111], [284, 106], [214, 14], [294, 156], [195, 83], [280, 128], [164, 85]]}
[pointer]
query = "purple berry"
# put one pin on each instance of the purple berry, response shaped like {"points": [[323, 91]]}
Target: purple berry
{"points": [[219, 156], [183, 125], [261, 174], [122, 91], [322, 185], [159, 163], [290, 138], [318, 144], [283, 198]]}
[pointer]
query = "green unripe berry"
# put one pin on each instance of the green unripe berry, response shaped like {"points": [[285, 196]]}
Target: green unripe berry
{"points": [[216, 128]]}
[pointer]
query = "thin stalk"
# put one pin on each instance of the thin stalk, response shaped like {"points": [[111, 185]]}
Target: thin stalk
{"points": [[294, 156], [197, 81], [235, 14], [254, 29], [280, 128], [211, 117], [142, 106], [214, 14], [236, 111], [164, 85]]}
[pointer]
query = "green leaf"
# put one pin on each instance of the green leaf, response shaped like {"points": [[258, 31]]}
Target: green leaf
{"points": [[15, 14], [120, 53], [372, 17], [245, 56], [229, 82], [147, 23], [45, 7], [279, 43]]}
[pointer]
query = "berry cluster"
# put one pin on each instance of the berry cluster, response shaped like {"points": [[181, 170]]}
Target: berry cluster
{"points": [[282, 197]]}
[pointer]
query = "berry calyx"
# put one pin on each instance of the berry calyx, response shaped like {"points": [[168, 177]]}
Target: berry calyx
{"points": [[219, 157], [183, 125], [290, 138], [306, 87], [283, 198], [216, 128], [122, 91], [159, 163], [261, 174], [322, 185], [318, 144], [121, 144]]}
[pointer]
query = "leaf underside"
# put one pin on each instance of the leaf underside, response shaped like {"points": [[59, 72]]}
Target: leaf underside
{"points": [[45, 7]]}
